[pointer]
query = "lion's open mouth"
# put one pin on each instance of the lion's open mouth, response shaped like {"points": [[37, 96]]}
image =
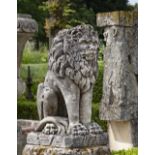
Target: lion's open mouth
{"points": [[90, 56]]}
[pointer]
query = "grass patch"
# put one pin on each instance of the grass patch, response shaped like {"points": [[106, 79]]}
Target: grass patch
{"points": [[34, 57], [133, 151]]}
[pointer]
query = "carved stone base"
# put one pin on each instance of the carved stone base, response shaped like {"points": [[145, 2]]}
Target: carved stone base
{"points": [[49, 150], [23, 128], [67, 141], [92, 144], [84, 139]]}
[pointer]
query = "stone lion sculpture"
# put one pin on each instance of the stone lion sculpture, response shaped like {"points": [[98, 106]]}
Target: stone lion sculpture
{"points": [[72, 71]]}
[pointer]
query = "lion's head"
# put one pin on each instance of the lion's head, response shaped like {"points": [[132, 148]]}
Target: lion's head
{"points": [[74, 54]]}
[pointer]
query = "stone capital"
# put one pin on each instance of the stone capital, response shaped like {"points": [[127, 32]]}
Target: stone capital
{"points": [[117, 18], [25, 24]]}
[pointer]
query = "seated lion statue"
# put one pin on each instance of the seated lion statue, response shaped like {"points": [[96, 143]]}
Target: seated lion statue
{"points": [[72, 71]]}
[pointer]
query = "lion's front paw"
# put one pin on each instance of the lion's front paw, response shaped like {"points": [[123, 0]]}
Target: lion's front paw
{"points": [[50, 128], [94, 128], [78, 130]]}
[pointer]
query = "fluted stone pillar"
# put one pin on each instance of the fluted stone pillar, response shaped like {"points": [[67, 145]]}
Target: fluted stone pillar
{"points": [[26, 27], [119, 102]]}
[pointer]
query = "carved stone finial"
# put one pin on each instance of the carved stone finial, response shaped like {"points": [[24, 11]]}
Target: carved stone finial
{"points": [[25, 24]]}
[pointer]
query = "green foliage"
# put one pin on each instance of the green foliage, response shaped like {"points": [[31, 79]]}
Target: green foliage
{"points": [[32, 7], [34, 58], [107, 5], [67, 13], [133, 151], [38, 72], [97, 92], [26, 109], [95, 116]]}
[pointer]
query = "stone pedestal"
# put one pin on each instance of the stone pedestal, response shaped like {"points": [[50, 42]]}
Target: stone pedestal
{"points": [[39, 143], [26, 27], [23, 128], [94, 142], [120, 83], [48, 150]]}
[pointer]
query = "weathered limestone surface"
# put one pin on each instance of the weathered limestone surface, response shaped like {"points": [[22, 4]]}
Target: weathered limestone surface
{"points": [[117, 18], [24, 123], [119, 100], [62, 142], [120, 84], [23, 128], [65, 140], [48, 150], [120, 135], [64, 99], [67, 89], [26, 27]]}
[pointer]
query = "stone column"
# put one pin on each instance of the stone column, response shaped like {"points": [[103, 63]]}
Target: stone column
{"points": [[26, 27], [119, 102]]}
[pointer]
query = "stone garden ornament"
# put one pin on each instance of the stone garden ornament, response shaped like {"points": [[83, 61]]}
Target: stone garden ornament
{"points": [[71, 76], [26, 28], [64, 99]]}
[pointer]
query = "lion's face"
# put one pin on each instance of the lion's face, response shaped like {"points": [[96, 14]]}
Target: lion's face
{"points": [[89, 55]]}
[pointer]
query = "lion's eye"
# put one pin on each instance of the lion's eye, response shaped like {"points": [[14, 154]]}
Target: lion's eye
{"points": [[83, 56]]}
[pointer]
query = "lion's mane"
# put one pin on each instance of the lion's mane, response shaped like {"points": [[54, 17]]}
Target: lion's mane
{"points": [[66, 58]]}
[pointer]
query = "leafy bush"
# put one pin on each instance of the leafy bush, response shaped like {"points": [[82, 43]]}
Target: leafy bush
{"points": [[101, 48], [95, 116], [26, 109], [97, 92], [30, 56]]}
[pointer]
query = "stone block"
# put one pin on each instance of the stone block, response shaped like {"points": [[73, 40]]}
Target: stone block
{"points": [[48, 150], [119, 103], [120, 135], [24, 127], [67, 141], [119, 18]]}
